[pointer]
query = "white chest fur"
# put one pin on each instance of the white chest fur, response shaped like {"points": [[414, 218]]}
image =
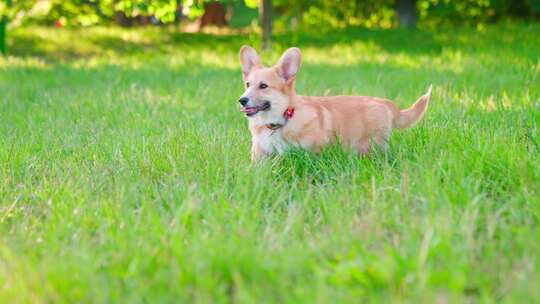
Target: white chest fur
{"points": [[271, 142]]}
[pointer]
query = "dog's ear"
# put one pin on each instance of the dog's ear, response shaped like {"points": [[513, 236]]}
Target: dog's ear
{"points": [[249, 60], [289, 64]]}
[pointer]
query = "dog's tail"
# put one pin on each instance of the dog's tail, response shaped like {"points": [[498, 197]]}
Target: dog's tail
{"points": [[408, 117]]}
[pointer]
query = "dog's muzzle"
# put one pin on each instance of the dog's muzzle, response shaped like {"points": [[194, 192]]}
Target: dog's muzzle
{"points": [[250, 111]]}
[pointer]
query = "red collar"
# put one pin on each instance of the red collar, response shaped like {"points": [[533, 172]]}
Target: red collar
{"points": [[288, 114]]}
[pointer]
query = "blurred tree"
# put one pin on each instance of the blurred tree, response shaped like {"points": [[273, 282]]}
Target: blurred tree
{"points": [[243, 15], [11, 10], [265, 12], [144, 11], [326, 13], [266, 9], [214, 14], [124, 12], [406, 13], [534, 6], [280, 14], [3, 25]]}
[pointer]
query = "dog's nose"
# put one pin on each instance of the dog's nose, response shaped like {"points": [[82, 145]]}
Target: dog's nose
{"points": [[243, 101]]}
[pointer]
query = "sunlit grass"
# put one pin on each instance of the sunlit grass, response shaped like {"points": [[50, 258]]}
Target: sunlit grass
{"points": [[125, 174]]}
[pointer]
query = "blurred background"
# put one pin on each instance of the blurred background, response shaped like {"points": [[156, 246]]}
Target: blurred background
{"points": [[260, 17]]}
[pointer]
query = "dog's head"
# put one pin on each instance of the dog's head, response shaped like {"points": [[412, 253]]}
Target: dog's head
{"points": [[269, 90]]}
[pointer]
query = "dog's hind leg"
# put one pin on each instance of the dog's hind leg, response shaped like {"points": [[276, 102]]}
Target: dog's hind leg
{"points": [[380, 138], [362, 147], [381, 142]]}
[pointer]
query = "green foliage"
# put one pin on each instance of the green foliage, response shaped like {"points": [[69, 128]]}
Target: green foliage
{"points": [[163, 10], [325, 13], [312, 13], [381, 14], [91, 12], [77, 12], [474, 12], [11, 8], [534, 6], [243, 15], [3, 25]]}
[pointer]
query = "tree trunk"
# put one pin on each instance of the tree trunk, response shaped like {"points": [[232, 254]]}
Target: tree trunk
{"points": [[3, 24], [214, 14], [178, 14], [122, 19], [406, 12], [265, 12]]}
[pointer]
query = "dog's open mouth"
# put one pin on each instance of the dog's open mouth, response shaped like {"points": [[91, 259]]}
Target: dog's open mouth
{"points": [[250, 111]]}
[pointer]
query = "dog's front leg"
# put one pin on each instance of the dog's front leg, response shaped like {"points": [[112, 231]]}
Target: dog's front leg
{"points": [[257, 153]]}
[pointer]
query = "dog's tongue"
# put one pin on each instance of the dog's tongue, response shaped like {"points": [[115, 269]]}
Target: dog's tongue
{"points": [[249, 110]]}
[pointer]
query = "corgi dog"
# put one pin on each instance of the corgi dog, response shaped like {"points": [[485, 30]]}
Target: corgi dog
{"points": [[280, 119]]}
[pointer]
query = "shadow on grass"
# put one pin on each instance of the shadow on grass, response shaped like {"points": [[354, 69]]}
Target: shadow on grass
{"points": [[55, 44], [30, 43]]}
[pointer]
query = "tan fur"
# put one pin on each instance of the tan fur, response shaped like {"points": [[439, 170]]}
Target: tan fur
{"points": [[355, 121]]}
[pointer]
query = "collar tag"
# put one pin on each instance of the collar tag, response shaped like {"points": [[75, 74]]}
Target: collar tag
{"points": [[273, 126]]}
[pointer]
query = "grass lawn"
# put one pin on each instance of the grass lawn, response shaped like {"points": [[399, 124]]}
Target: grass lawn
{"points": [[125, 173]]}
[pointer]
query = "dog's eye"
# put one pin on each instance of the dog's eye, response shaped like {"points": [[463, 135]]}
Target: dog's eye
{"points": [[263, 86], [247, 84]]}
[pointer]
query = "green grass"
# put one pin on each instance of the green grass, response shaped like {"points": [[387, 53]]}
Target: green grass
{"points": [[125, 173]]}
